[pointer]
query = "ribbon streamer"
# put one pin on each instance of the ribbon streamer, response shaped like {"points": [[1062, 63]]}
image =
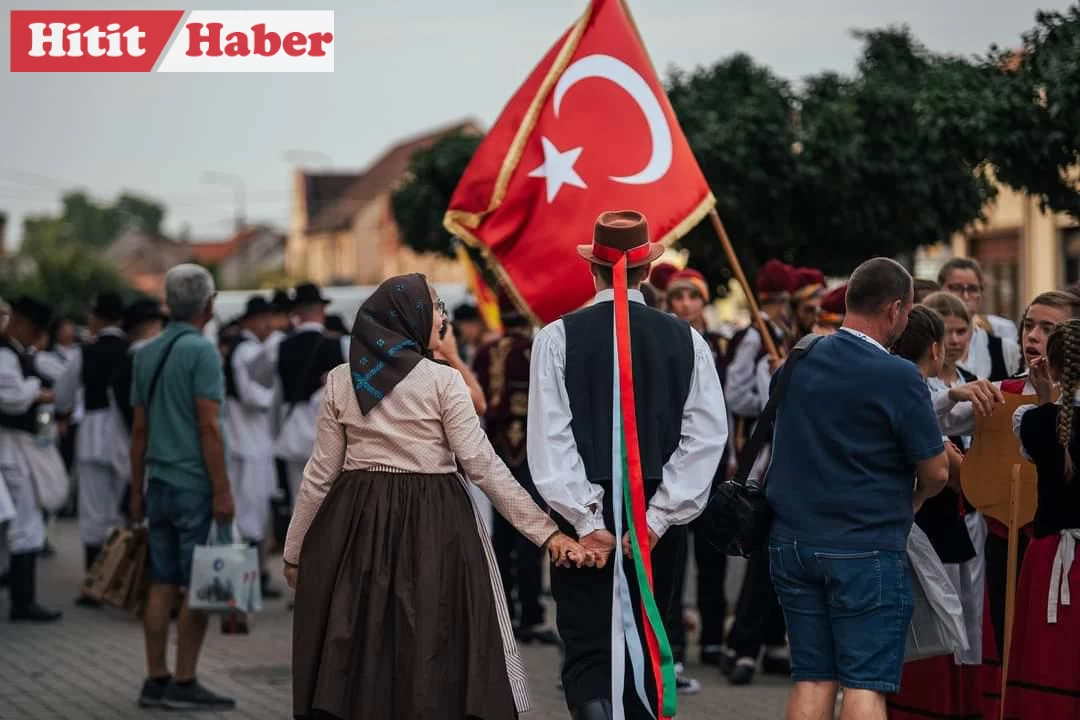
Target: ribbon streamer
{"points": [[633, 483]]}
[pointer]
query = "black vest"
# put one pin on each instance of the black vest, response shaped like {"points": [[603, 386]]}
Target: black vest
{"points": [[100, 360], [302, 361], [230, 378], [998, 369], [663, 357], [26, 421], [120, 381]]}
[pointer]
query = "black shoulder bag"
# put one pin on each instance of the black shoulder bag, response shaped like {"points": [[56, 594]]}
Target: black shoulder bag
{"points": [[737, 519]]}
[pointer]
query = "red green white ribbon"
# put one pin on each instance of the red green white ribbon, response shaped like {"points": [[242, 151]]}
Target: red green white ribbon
{"points": [[629, 486]]}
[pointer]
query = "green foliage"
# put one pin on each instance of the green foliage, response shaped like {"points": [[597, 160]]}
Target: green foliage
{"points": [[67, 278], [421, 201]]}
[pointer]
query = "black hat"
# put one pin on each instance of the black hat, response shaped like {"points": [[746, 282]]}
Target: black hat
{"points": [[140, 311], [35, 311], [309, 294], [281, 302], [108, 306], [335, 323], [256, 305]]}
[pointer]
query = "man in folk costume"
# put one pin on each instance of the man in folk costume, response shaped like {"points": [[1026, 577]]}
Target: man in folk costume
{"points": [[248, 405], [807, 291], [101, 488], [583, 394], [687, 296], [142, 322], [502, 368], [746, 349], [303, 361], [22, 393]]}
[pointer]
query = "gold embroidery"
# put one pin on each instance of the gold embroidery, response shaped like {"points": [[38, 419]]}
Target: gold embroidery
{"points": [[519, 404]]}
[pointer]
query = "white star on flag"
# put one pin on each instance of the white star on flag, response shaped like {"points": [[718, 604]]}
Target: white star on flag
{"points": [[558, 169]]}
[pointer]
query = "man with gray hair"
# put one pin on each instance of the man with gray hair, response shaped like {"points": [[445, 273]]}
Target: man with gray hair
{"points": [[178, 448], [856, 450]]}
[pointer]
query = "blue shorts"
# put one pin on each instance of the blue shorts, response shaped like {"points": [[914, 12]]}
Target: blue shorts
{"points": [[847, 613], [179, 520]]}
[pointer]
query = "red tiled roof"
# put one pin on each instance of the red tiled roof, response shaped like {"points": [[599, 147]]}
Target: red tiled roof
{"points": [[379, 178]]}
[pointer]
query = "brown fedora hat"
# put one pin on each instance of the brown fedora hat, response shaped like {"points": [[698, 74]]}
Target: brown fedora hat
{"points": [[618, 233]]}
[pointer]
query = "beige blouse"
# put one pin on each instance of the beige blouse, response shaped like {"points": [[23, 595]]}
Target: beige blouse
{"points": [[421, 427]]}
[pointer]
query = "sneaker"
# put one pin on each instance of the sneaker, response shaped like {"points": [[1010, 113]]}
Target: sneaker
{"points": [[743, 673], [153, 692], [193, 696], [685, 685]]}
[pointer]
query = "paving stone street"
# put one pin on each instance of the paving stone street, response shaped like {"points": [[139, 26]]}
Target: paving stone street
{"points": [[90, 665]]}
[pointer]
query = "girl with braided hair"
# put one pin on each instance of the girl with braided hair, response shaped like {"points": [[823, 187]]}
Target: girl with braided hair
{"points": [[940, 686], [1044, 665]]}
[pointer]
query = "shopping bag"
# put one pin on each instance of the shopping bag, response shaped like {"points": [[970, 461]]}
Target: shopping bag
{"points": [[46, 470], [110, 563], [123, 590], [221, 571], [937, 621]]}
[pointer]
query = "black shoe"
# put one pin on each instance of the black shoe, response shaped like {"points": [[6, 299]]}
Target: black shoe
{"points": [[593, 710], [539, 635], [776, 666], [193, 696], [153, 692], [35, 613], [85, 601], [743, 674]]}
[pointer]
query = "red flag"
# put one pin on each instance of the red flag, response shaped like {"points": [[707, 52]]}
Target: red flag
{"points": [[590, 130]]}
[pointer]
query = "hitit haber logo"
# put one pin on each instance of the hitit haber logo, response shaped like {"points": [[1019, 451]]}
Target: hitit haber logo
{"points": [[172, 41]]}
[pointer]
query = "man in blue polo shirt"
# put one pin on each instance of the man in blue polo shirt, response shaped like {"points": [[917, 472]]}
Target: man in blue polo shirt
{"points": [[856, 449]]}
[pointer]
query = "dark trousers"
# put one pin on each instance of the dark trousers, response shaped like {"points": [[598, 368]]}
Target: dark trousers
{"points": [[711, 591], [584, 617], [521, 569], [669, 580], [758, 617], [997, 574]]}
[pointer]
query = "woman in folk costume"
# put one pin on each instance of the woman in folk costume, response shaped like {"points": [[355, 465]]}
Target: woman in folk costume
{"points": [[400, 611], [1044, 665], [588, 402], [940, 687]]}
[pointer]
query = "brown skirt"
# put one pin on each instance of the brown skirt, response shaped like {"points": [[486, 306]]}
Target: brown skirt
{"points": [[395, 617]]}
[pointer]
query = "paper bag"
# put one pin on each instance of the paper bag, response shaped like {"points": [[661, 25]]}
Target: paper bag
{"points": [[111, 562]]}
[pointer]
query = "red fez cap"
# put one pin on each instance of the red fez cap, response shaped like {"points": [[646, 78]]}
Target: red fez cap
{"points": [[834, 305], [806, 283], [660, 275], [774, 279], [689, 279]]}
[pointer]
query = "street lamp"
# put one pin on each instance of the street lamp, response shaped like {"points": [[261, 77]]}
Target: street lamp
{"points": [[237, 184]]}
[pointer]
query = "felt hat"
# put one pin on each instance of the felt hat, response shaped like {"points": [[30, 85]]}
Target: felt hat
{"points": [[689, 279], [621, 233], [257, 305], [834, 306], [36, 311], [774, 280], [807, 283], [309, 294], [661, 274], [142, 310]]}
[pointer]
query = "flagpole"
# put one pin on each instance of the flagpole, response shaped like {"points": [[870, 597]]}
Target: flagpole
{"points": [[733, 260]]}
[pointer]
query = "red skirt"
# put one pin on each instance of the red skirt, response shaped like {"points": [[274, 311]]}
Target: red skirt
{"points": [[1044, 664], [938, 688]]}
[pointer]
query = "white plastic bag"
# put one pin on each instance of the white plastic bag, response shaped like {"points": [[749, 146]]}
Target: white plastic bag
{"points": [[225, 574], [937, 623], [46, 469]]}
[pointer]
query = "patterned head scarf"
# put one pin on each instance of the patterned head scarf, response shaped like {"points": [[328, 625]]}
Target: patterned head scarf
{"points": [[390, 337]]}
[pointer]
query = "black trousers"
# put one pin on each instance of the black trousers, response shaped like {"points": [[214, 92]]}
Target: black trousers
{"points": [[521, 568], [584, 616], [758, 617], [711, 591], [669, 580]]}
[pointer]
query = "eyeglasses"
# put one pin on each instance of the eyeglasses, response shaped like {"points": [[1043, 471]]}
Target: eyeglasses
{"points": [[441, 307], [957, 289]]}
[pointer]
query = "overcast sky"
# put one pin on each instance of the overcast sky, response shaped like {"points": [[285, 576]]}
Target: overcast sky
{"points": [[401, 66]]}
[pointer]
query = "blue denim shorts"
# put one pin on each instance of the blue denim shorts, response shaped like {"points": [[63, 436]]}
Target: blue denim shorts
{"points": [[847, 613], [179, 520]]}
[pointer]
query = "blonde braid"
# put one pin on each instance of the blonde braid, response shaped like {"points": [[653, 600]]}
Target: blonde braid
{"points": [[1066, 361]]}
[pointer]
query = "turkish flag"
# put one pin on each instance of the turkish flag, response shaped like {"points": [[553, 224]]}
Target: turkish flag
{"points": [[590, 130]]}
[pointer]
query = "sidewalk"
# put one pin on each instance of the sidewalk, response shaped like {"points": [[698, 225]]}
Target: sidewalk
{"points": [[90, 665]]}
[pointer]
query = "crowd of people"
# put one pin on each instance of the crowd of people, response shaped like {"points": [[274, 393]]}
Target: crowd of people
{"points": [[360, 454]]}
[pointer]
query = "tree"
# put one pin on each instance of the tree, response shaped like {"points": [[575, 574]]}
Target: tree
{"points": [[91, 224], [421, 201], [66, 277]]}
